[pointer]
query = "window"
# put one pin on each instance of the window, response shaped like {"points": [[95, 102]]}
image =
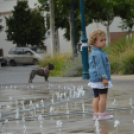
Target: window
{"points": [[28, 53], [1, 52], [19, 52], [11, 52]]}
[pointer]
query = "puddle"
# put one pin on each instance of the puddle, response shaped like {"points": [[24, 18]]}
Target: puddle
{"points": [[62, 104]]}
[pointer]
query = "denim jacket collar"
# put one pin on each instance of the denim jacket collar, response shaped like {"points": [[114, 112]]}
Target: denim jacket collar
{"points": [[97, 49]]}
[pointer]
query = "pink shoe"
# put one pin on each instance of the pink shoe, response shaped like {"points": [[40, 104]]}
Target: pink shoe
{"points": [[105, 116], [95, 116]]}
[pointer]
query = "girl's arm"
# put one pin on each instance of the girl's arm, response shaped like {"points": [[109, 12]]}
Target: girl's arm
{"points": [[100, 66], [101, 69]]}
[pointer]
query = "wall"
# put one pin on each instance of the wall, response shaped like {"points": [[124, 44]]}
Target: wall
{"points": [[64, 46]]}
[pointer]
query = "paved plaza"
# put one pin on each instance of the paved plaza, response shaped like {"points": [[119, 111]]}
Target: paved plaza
{"points": [[62, 105]]}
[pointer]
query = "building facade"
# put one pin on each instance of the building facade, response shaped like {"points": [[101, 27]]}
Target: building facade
{"points": [[63, 46]]}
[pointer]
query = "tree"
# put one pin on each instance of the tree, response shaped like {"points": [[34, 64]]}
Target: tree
{"points": [[127, 24], [104, 12], [25, 26], [1, 27], [108, 10], [63, 18], [52, 27], [127, 15]]}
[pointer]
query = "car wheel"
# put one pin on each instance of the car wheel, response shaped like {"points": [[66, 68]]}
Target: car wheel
{"points": [[35, 61], [4, 64], [12, 63]]}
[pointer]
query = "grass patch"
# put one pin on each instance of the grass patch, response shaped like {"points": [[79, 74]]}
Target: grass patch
{"points": [[74, 67], [59, 62], [65, 66], [121, 56]]}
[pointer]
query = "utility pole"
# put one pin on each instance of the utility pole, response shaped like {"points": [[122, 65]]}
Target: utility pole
{"points": [[85, 74], [52, 28]]}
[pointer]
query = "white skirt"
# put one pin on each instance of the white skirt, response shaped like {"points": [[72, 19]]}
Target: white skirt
{"points": [[100, 85]]}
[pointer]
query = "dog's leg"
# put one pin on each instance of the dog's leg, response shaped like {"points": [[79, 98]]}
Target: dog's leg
{"points": [[33, 75], [46, 79], [30, 81]]}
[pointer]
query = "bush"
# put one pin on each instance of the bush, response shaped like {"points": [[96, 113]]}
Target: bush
{"points": [[59, 62], [73, 68], [64, 66], [121, 56], [127, 64]]}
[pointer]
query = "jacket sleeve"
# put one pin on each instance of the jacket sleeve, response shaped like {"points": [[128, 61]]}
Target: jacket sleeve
{"points": [[100, 66]]}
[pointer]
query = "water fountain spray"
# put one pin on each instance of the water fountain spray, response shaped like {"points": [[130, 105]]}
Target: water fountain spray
{"points": [[114, 102], [10, 98], [17, 113], [97, 126], [116, 123], [131, 103], [31, 104], [59, 125], [83, 107], [41, 120], [42, 104], [23, 106], [24, 130], [16, 102], [6, 121], [51, 109], [0, 115], [8, 106], [23, 119], [52, 100]]}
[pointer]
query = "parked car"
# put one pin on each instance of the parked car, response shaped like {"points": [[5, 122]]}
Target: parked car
{"points": [[23, 55], [3, 61]]}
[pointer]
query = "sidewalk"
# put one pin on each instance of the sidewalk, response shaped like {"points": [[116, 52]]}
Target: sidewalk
{"points": [[117, 105]]}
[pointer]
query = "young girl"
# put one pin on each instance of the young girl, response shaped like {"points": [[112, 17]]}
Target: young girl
{"points": [[99, 72]]}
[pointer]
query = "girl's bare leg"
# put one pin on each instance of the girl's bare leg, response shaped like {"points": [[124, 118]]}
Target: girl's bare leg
{"points": [[102, 103], [96, 104]]}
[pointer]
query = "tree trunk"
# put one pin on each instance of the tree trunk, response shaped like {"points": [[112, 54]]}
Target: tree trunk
{"points": [[52, 28], [108, 35], [71, 33]]}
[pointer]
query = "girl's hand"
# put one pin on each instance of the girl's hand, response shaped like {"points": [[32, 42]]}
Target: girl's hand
{"points": [[105, 82]]}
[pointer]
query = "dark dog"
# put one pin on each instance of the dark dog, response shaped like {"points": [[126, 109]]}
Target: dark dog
{"points": [[41, 72]]}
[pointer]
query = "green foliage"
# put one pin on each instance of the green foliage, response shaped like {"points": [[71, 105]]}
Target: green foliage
{"points": [[97, 13], [127, 15], [127, 24], [74, 68], [64, 66], [59, 63], [120, 5], [24, 26], [121, 56], [94, 11], [62, 11], [108, 9], [127, 58]]}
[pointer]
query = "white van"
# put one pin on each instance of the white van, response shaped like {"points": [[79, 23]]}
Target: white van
{"points": [[23, 55]]}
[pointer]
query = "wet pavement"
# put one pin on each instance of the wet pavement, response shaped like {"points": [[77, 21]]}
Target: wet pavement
{"points": [[64, 109]]}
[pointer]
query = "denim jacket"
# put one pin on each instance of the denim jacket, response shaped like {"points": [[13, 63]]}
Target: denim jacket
{"points": [[99, 65]]}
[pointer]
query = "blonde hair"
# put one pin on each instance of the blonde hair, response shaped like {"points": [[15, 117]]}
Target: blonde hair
{"points": [[95, 34]]}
